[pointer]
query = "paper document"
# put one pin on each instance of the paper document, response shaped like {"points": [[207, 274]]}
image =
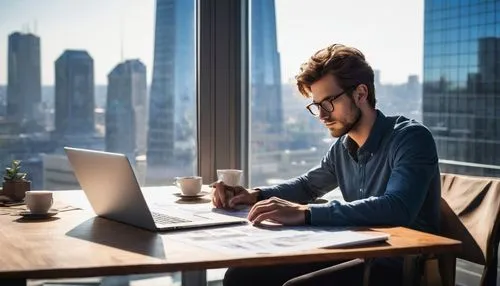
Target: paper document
{"points": [[249, 239], [263, 238]]}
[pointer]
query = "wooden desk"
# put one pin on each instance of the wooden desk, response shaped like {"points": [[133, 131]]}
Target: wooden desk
{"points": [[78, 244]]}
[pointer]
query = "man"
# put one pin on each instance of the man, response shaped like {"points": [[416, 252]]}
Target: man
{"points": [[386, 168]]}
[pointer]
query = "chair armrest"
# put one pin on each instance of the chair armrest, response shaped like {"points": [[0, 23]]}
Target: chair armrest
{"points": [[334, 268]]}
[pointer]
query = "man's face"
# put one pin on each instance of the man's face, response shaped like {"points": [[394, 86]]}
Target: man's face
{"points": [[345, 114]]}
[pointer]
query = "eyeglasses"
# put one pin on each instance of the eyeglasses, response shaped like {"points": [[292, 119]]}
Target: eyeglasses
{"points": [[326, 104]]}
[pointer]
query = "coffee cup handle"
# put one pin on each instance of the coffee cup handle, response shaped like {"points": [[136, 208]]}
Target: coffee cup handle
{"points": [[176, 183]]}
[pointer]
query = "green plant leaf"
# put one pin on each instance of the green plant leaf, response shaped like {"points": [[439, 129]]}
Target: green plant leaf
{"points": [[13, 173]]}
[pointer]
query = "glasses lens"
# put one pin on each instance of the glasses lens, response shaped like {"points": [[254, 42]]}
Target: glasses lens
{"points": [[314, 109], [327, 105]]}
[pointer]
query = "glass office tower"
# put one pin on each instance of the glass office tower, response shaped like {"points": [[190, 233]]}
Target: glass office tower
{"points": [[266, 105], [74, 94], [461, 93], [126, 109], [24, 89], [171, 140]]}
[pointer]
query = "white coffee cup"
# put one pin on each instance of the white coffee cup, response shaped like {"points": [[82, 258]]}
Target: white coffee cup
{"points": [[39, 202], [230, 177], [190, 185]]}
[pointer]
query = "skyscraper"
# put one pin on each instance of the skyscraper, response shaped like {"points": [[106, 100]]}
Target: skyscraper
{"points": [[126, 109], [172, 107], [266, 104], [74, 76], [461, 93], [24, 90]]}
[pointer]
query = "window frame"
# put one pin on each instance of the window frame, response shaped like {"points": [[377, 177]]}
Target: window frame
{"points": [[222, 49]]}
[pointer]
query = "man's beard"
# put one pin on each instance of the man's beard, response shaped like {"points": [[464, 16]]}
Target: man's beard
{"points": [[347, 126]]}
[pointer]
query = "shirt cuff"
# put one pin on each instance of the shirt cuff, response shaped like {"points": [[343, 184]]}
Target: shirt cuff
{"points": [[259, 194], [321, 214], [307, 217], [265, 193]]}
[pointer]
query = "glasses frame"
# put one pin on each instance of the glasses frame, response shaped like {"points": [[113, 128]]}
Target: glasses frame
{"points": [[329, 99]]}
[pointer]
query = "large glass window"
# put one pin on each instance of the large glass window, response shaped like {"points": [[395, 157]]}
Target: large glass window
{"points": [[114, 75], [285, 140]]}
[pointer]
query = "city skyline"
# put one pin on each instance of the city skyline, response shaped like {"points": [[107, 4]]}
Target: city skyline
{"points": [[104, 28], [81, 112]]}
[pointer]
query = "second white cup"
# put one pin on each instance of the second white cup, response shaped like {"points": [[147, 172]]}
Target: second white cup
{"points": [[230, 177], [190, 185]]}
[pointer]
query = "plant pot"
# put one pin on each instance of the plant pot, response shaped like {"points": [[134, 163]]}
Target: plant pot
{"points": [[16, 190]]}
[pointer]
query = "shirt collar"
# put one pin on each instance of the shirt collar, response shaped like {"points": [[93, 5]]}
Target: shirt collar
{"points": [[376, 134]]}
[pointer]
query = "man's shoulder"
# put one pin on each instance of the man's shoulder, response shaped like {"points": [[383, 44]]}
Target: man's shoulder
{"points": [[407, 126], [410, 132]]}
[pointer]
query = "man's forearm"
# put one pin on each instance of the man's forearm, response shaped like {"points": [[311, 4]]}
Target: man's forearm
{"points": [[294, 190], [385, 210]]}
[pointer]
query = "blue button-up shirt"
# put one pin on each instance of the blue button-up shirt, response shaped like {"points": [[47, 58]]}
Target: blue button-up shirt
{"points": [[392, 180]]}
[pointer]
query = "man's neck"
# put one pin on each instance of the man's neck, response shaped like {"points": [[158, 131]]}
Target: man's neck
{"points": [[362, 130]]}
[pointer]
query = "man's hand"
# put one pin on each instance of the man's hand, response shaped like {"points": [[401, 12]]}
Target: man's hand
{"points": [[278, 210], [224, 196]]}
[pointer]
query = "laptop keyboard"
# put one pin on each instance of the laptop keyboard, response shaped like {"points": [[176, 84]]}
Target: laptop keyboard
{"points": [[160, 218]]}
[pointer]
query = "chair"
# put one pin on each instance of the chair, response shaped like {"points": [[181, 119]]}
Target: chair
{"points": [[470, 212]]}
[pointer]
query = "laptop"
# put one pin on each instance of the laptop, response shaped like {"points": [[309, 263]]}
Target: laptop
{"points": [[111, 187]]}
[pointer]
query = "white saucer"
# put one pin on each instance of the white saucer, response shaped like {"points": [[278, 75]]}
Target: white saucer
{"points": [[29, 215], [192, 197]]}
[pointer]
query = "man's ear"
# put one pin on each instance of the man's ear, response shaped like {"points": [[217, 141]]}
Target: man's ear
{"points": [[361, 93]]}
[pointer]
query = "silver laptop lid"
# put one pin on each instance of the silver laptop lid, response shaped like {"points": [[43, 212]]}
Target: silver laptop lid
{"points": [[110, 185]]}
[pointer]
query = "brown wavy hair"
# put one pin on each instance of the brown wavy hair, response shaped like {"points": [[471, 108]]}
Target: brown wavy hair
{"points": [[346, 64]]}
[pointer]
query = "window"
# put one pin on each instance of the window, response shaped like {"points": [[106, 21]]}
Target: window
{"points": [[285, 140], [459, 55], [107, 75]]}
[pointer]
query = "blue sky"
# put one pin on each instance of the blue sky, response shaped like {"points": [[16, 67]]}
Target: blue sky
{"points": [[389, 32]]}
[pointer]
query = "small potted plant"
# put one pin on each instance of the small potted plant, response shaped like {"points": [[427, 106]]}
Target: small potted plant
{"points": [[15, 184]]}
